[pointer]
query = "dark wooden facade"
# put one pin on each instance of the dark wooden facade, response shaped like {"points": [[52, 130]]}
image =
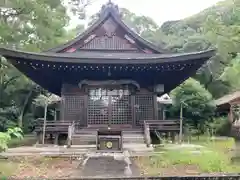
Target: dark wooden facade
{"points": [[108, 106], [108, 75]]}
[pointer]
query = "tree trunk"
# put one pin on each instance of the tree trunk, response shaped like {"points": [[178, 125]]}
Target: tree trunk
{"points": [[44, 123], [20, 119], [181, 123]]}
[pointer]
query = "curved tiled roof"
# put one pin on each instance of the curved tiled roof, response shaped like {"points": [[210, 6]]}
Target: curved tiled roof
{"points": [[109, 10], [104, 57], [227, 98]]}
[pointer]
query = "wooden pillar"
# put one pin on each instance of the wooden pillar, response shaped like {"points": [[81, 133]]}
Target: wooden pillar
{"points": [[85, 111], [44, 122], [62, 103], [55, 115], [62, 108], [181, 123], [133, 112], [155, 107], [39, 138], [173, 137], [56, 139], [163, 112], [110, 108]]}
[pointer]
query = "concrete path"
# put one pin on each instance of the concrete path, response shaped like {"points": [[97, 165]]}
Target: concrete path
{"points": [[107, 167]]}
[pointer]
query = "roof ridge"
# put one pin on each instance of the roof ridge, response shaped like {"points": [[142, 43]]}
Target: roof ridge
{"points": [[109, 9]]}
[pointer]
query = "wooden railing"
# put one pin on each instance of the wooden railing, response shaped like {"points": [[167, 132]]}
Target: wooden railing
{"points": [[163, 125], [169, 126], [52, 126]]}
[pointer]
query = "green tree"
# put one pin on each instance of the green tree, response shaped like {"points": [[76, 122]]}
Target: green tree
{"points": [[30, 25], [217, 27], [231, 74], [198, 107]]}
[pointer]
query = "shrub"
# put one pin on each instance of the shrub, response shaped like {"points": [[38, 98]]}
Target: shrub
{"points": [[222, 126], [5, 137]]}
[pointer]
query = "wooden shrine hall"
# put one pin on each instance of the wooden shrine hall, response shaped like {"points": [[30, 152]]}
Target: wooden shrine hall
{"points": [[108, 78]]}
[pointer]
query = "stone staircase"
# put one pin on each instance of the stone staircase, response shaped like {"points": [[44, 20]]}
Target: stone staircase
{"points": [[133, 136], [84, 137], [133, 139]]}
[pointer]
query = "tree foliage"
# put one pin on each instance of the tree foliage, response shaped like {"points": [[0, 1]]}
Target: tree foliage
{"points": [[216, 27], [35, 25], [5, 137], [231, 72], [32, 24], [196, 101]]}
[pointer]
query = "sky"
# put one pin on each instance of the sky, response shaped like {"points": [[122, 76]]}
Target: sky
{"points": [[159, 10]]}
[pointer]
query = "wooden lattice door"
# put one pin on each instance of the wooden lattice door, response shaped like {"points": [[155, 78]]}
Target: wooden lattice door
{"points": [[120, 107], [98, 107], [108, 107], [73, 106], [144, 108]]}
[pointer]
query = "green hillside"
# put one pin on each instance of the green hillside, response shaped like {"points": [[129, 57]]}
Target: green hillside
{"points": [[215, 27]]}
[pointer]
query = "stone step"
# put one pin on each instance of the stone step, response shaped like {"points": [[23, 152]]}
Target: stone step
{"points": [[124, 135], [94, 137], [88, 136], [137, 147], [84, 138], [83, 142], [85, 146], [128, 131], [133, 136], [86, 132], [134, 141], [84, 135], [133, 131]]}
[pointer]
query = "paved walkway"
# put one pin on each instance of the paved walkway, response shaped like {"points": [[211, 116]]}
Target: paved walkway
{"points": [[107, 167]]}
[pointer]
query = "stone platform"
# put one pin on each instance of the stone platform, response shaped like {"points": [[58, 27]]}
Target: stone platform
{"points": [[134, 149], [51, 150]]}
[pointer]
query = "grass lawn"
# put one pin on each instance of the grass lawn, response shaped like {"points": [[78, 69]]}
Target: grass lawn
{"points": [[214, 157], [224, 144]]}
